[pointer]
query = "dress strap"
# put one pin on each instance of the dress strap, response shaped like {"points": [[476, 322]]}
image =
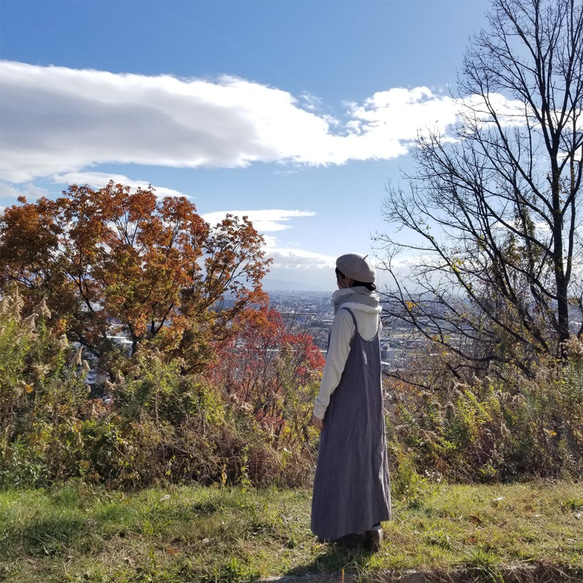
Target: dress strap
{"points": [[353, 316]]}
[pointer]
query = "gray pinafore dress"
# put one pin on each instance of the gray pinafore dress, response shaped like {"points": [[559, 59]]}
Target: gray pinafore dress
{"points": [[351, 486]]}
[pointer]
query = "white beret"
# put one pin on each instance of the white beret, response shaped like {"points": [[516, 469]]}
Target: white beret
{"points": [[357, 267]]}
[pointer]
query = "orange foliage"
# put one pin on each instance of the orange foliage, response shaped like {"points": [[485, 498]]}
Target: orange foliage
{"points": [[270, 371], [112, 262]]}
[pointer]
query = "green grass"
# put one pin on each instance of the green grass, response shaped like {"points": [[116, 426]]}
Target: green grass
{"points": [[81, 533]]}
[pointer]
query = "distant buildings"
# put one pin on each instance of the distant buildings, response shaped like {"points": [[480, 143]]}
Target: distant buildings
{"points": [[312, 312]]}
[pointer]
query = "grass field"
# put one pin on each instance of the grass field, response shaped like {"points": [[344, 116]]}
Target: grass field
{"points": [[82, 533]]}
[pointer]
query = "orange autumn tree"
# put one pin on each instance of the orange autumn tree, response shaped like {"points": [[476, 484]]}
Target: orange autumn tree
{"points": [[114, 262]]}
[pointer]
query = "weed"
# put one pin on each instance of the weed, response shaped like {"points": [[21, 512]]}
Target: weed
{"points": [[572, 504], [484, 564]]}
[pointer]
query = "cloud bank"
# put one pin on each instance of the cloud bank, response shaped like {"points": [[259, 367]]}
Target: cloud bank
{"points": [[61, 124], [58, 121]]}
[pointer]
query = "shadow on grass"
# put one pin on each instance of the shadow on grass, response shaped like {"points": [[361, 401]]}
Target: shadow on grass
{"points": [[47, 536], [334, 559]]}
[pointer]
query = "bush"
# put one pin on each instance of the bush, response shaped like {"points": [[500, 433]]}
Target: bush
{"points": [[246, 421], [41, 390], [484, 430], [151, 423]]}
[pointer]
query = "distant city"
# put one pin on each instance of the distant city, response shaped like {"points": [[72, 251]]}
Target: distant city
{"points": [[312, 312]]}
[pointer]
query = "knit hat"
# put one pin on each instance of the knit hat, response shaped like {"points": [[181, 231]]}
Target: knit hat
{"points": [[356, 267]]}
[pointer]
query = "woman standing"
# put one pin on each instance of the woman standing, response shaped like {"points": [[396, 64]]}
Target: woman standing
{"points": [[351, 488]]}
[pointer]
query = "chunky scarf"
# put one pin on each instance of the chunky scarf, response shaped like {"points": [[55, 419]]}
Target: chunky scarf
{"points": [[354, 295]]}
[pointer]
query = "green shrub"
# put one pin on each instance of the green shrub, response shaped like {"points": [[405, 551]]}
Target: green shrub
{"points": [[41, 391], [151, 423], [484, 430]]}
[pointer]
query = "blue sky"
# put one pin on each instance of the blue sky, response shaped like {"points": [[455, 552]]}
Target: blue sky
{"points": [[294, 112]]}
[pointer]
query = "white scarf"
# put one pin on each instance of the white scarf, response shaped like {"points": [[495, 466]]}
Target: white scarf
{"points": [[354, 295]]}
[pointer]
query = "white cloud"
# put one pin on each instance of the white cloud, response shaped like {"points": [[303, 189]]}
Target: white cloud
{"points": [[28, 190], [56, 120], [94, 179], [293, 259], [265, 220], [300, 269], [102, 179], [273, 221]]}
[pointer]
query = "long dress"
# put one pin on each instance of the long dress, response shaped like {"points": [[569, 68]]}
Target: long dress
{"points": [[352, 486]]}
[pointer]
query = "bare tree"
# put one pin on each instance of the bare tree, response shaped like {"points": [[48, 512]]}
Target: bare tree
{"points": [[492, 212]]}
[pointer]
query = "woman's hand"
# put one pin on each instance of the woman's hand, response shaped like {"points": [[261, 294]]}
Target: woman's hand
{"points": [[317, 423]]}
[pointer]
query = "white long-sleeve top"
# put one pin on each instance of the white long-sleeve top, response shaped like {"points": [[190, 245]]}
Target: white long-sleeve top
{"points": [[341, 333]]}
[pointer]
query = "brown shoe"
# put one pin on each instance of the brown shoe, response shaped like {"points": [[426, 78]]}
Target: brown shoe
{"points": [[374, 539]]}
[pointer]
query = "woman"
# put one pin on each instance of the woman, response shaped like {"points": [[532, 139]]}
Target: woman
{"points": [[351, 488]]}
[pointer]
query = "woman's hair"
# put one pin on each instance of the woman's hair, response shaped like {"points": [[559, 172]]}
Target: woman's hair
{"points": [[368, 286]]}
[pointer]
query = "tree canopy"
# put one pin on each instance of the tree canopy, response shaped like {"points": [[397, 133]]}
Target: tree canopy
{"points": [[112, 262]]}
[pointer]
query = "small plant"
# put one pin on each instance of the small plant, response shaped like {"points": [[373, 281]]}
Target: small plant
{"points": [[484, 564], [236, 572], [572, 504], [407, 485]]}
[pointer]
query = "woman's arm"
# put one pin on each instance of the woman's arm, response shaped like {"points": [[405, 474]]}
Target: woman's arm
{"points": [[340, 337]]}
